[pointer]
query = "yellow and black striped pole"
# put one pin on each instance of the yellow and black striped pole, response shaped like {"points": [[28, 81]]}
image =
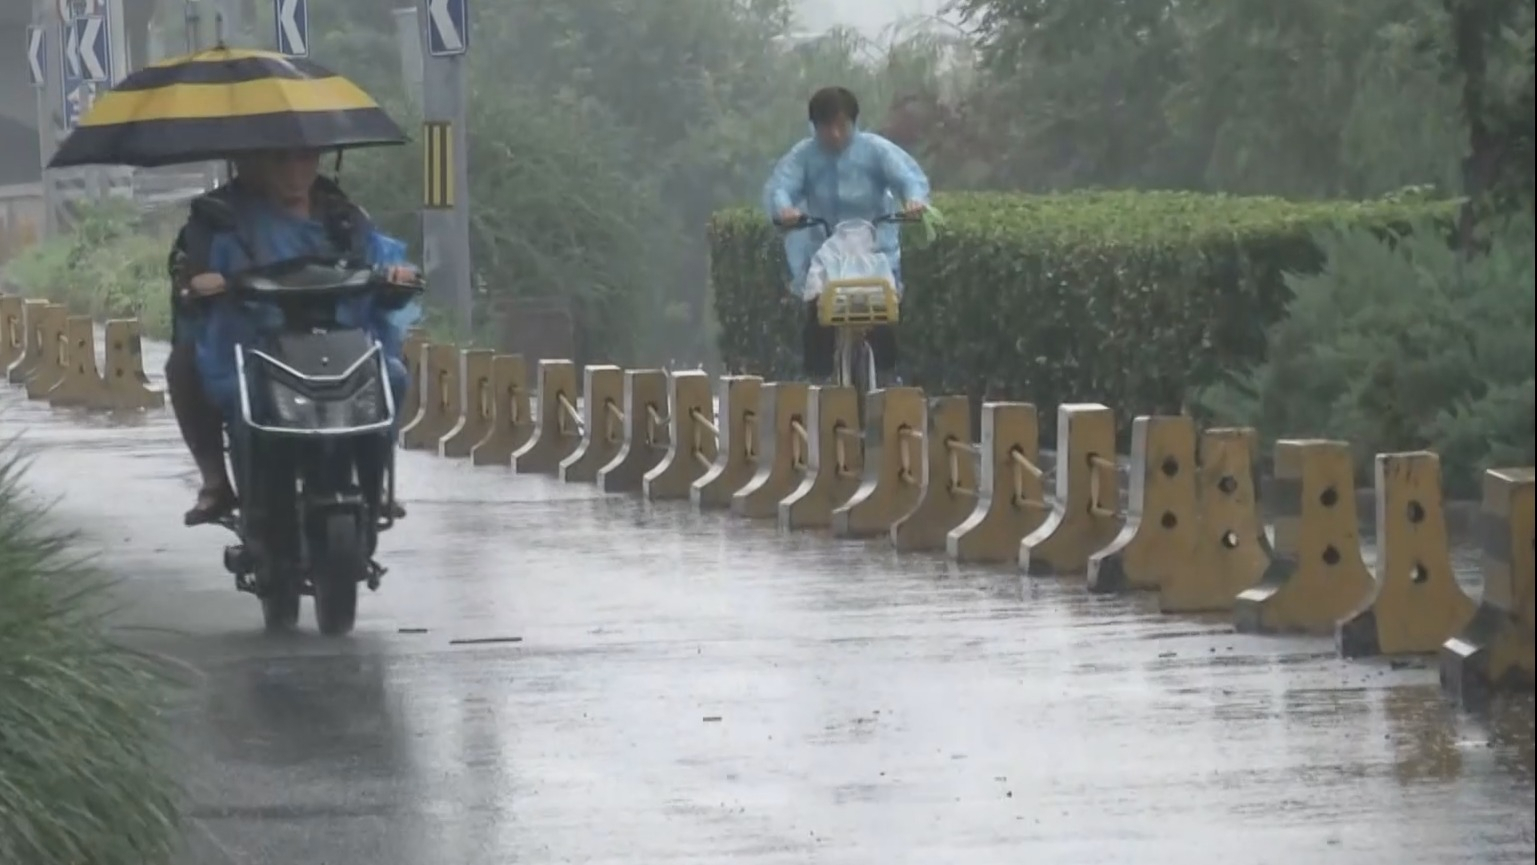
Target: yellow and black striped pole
{"points": [[437, 165]]}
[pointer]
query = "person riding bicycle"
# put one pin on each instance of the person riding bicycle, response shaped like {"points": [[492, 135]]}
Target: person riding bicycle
{"points": [[283, 209], [840, 173]]}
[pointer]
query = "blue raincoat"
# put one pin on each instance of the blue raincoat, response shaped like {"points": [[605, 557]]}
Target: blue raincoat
{"points": [[871, 178], [276, 236]]}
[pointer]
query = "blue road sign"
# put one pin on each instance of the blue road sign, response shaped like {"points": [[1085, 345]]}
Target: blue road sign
{"points": [[93, 45], [292, 18], [37, 55], [448, 27]]}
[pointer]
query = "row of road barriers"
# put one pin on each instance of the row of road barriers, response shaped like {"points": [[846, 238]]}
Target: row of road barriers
{"points": [[52, 355], [1191, 530]]}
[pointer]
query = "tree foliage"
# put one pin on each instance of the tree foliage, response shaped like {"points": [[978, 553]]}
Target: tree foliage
{"points": [[1402, 342], [1287, 97]]}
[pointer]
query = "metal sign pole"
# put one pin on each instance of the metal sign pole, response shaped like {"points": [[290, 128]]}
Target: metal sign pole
{"points": [[445, 29], [52, 125], [42, 55]]}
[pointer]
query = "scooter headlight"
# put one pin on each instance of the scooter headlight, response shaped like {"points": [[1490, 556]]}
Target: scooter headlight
{"points": [[365, 406], [292, 408]]}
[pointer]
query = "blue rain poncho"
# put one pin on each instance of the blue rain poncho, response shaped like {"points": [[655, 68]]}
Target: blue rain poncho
{"points": [[871, 178], [276, 236]]}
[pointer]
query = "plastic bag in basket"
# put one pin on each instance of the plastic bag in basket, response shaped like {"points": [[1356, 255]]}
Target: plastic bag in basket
{"points": [[850, 253]]}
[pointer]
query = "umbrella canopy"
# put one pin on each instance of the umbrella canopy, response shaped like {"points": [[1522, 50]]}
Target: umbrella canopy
{"points": [[221, 103]]}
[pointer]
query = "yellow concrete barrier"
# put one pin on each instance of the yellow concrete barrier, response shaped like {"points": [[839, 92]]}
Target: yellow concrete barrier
{"points": [[736, 446], [441, 405], [81, 385], [479, 405], [643, 414], [1010, 495], [602, 426], [886, 492], [1161, 509], [1231, 551], [54, 359], [830, 449], [690, 438], [1418, 604], [946, 478], [414, 354], [32, 352], [781, 460], [511, 418], [13, 330], [127, 386], [1494, 652], [1316, 575], [1087, 515], [558, 429]]}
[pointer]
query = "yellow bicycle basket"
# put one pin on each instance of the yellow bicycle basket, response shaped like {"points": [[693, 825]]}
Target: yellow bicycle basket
{"points": [[860, 302]]}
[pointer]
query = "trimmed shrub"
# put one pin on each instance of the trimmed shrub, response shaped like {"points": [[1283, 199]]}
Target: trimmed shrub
{"points": [[1126, 298], [82, 770]]}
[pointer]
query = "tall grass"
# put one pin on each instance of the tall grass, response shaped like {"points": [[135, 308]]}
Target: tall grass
{"points": [[83, 777]]}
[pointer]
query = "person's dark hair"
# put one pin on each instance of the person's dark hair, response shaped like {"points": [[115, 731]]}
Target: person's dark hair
{"points": [[829, 103]]}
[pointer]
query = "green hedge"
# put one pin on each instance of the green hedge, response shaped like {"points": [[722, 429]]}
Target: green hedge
{"points": [[1125, 298], [83, 756]]}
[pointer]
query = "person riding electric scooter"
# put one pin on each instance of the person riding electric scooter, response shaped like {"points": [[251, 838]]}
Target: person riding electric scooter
{"points": [[283, 209]]}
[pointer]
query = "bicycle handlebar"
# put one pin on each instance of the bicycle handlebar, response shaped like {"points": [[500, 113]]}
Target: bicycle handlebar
{"points": [[806, 221]]}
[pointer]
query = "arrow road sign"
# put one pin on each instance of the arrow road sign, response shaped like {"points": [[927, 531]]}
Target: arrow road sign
{"points": [[72, 51], [37, 54], [95, 60], [448, 27], [293, 26]]}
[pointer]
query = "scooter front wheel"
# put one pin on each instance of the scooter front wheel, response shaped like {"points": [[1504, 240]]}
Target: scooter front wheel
{"points": [[341, 565], [280, 605]]}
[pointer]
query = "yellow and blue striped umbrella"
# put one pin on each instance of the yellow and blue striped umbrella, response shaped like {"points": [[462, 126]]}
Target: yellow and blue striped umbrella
{"points": [[220, 103]]}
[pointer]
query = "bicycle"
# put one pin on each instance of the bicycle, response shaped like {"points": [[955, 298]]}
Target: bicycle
{"points": [[853, 304]]}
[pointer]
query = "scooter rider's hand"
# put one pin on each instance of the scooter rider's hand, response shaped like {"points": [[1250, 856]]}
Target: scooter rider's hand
{"points": [[914, 208], [402, 274], [206, 285], [789, 216]]}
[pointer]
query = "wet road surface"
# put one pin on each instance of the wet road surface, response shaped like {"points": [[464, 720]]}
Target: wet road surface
{"points": [[699, 689]]}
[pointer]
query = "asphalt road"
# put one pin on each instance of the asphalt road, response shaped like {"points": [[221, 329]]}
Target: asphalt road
{"points": [[666, 688]]}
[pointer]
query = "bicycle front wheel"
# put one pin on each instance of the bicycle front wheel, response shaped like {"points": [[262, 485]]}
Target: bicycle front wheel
{"points": [[855, 366]]}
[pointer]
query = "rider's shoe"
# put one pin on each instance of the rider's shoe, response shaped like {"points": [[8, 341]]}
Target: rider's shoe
{"points": [[213, 504], [397, 510]]}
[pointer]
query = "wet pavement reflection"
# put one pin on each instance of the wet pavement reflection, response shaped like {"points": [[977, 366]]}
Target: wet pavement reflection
{"points": [[549, 675]]}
